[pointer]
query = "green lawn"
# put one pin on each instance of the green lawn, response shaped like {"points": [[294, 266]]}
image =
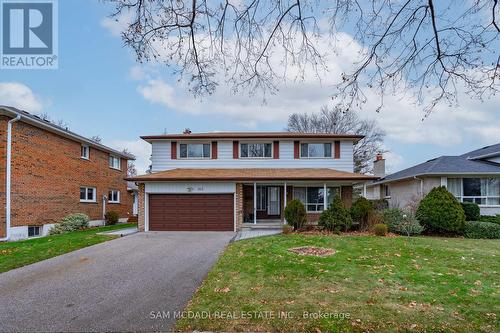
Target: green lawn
{"points": [[22, 253], [377, 284]]}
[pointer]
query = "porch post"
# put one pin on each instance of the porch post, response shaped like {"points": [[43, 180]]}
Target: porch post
{"points": [[284, 204], [254, 202], [324, 196]]}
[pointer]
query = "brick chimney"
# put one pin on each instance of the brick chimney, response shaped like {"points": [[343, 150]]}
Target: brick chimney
{"points": [[379, 166]]}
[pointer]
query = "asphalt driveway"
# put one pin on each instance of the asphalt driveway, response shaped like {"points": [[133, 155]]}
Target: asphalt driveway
{"points": [[134, 283]]}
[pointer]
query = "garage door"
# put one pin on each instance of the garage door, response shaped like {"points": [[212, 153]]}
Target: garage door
{"points": [[191, 212]]}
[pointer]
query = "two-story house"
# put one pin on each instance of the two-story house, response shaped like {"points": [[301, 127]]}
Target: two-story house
{"points": [[48, 172], [224, 181]]}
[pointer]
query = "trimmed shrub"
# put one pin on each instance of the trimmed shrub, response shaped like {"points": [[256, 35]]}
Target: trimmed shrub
{"points": [[402, 223], [488, 230], [392, 217], [295, 214], [490, 218], [360, 210], [70, 223], [336, 218], [111, 217], [471, 210], [440, 212], [380, 229], [380, 204]]}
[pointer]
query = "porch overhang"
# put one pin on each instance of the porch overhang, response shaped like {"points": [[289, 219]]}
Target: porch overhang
{"points": [[252, 175]]}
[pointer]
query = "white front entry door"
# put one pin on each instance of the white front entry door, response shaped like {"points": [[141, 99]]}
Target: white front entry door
{"points": [[273, 200]]}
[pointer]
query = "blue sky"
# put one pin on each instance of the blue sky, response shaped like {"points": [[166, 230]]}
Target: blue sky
{"points": [[99, 89]]}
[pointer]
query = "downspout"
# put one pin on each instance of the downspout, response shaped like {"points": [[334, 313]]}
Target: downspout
{"points": [[421, 185], [7, 178]]}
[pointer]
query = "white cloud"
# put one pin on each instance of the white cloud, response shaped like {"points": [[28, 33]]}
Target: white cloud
{"points": [[159, 92], [140, 148], [117, 24], [20, 96]]}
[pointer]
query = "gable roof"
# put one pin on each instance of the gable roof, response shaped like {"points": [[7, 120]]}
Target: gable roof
{"points": [[444, 165], [241, 174], [47, 125], [251, 135], [488, 151]]}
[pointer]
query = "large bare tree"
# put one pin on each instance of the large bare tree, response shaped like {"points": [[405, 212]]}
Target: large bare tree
{"points": [[429, 49], [336, 120]]}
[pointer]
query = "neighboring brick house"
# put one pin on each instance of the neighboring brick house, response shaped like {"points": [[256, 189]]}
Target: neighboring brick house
{"points": [[55, 172], [226, 181]]}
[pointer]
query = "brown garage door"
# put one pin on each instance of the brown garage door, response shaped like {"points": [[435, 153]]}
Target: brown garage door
{"points": [[191, 212]]}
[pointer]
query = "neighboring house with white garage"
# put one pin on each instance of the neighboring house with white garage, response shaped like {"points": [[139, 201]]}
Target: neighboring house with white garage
{"points": [[228, 180], [471, 177]]}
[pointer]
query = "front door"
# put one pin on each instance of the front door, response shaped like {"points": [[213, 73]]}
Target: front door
{"points": [[273, 200]]}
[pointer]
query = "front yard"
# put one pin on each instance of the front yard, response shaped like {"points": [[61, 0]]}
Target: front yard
{"points": [[25, 252], [369, 284]]}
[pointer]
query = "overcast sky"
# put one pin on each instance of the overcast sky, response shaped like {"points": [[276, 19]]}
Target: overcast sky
{"points": [[99, 89]]}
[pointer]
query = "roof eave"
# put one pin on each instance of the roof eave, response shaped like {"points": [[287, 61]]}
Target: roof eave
{"points": [[151, 138], [435, 174], [5, 110]]}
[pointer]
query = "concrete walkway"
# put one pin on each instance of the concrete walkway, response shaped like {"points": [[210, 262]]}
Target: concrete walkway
{"points": [[120, 232], [253, 233], [119, 285]]}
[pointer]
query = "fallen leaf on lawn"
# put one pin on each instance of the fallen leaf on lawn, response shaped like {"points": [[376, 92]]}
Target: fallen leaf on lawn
{"points": [[418, 266], [478, 283], [397, 254], [290, 302], [491, 315], [440, 308], [222, 290], [263, 301], [413, 326], [381, 280], [256, 288], [463, 258], [412, 304], [318, 330]]}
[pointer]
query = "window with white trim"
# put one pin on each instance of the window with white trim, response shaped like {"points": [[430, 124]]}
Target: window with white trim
{"points": [[85, 150], [194, 150], [315, 150], [386, 191], [114, 162], [88, 194], [261, 197], [114, 196], [313, 197], [483, 191], [256, 150], [34, 231]]}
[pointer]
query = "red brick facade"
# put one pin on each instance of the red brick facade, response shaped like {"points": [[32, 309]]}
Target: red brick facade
{"points": [[47, 172]]}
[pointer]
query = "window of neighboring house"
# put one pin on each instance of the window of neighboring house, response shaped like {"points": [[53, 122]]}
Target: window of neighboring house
{"points": [[114, 162], [34, 231], [194, 150], [386, 191], [312, 197], [85, 152], [256, 150], [114, 196], [261, 197], [483, 191], [315, 150], [87, 194]]}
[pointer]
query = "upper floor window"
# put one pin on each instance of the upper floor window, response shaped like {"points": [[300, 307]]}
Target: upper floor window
{"points": [[315, 150], [483, 191], [87, 194], [386, 191], [256, 150], [114, 162], [194, 150], [114, 196], [85, 152]]}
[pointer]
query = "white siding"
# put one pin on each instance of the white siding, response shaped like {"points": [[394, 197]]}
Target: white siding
{"points": [[161, 158], [190, 187], [160, 153]]}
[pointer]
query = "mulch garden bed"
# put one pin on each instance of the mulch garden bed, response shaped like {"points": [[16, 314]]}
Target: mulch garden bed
{"points": [[312, 251]]}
